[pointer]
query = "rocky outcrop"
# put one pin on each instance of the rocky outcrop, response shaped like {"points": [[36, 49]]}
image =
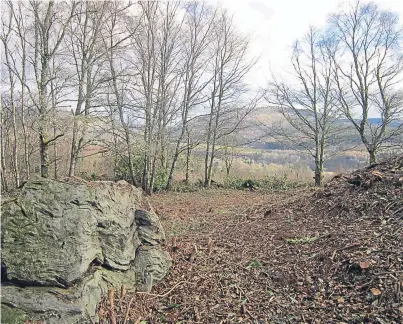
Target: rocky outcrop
{"points": [[64, 243]]}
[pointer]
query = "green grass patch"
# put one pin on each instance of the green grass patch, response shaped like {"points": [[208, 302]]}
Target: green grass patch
{"points": [[254, 264], [302, 240]]}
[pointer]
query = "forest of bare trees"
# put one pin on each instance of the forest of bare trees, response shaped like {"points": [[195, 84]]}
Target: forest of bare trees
{"points": [[131, 78], [348, 70], [147, 82]]}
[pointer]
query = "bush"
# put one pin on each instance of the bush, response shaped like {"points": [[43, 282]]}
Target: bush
{"points": [[161, 179], [182, 186], [122, 170], [269, 182]]}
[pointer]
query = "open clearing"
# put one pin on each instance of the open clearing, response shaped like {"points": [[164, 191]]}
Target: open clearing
{"points": [[328, 256]]}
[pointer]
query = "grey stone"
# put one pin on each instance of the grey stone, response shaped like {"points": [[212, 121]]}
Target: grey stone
{"points": [[66, 242], [151, 266], [149, 227]]}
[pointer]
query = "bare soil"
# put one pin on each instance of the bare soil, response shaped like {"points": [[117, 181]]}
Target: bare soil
{"points": [[333, 255]]}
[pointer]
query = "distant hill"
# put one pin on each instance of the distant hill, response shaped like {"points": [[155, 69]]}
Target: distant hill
{"points": [[378, 121]]}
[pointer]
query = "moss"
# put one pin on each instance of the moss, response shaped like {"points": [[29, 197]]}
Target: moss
{"points": [[11, 315]]}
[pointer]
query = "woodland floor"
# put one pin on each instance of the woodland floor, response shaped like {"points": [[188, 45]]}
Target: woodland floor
{"points": [[328, 256]]}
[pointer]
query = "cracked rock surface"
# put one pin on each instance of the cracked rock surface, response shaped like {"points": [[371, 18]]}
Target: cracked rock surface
{"points": [[64, 243]]}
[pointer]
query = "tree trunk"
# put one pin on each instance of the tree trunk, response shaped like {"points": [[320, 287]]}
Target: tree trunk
{"points": [[211, 163], [73, 160], [228, 162], [4, 185], [43, 92], [177, 149], [13, 117], [44, 154], [372, 156], [15, 146], [171, 171], [206, 159], [75, 146], [318, 173], [153, 175], [55, 154], [24, 130], [24, 127], [146, 161], [173, 164], [130, 160], [188, 154], [319, 162]]}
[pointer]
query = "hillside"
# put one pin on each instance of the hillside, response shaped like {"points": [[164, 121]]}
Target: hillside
{"points": [[328, 256]]}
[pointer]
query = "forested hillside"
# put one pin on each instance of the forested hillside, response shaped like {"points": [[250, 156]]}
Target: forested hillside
{"points": [[159, 92]]}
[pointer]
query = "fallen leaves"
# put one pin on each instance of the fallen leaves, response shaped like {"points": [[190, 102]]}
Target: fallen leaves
{"points": [[244, 270], [364, 265], [340, 300], [375, 292]]}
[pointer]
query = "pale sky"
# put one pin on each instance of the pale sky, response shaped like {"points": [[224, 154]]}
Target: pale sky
{"points": [[275, 24]]}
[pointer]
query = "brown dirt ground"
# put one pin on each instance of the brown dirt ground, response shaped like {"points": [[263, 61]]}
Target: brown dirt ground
{"points": [[329, 256]]}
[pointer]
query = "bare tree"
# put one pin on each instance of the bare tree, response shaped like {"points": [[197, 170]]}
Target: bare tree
{"points": [[4, 182], [116, 41], [230, 147], [229, 67], [85, 44], [142, 77], [157, 64], [5, 38], [50, 22], [15, 28], [308, 102], [169, 80], [198, 26], [21, 31], [144, 62], [368, 72]]}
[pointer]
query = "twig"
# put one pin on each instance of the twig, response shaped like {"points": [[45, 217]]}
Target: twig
{"points": [[365, 285], [344, 248], [128, 310], [163, 295], [112, 301]]}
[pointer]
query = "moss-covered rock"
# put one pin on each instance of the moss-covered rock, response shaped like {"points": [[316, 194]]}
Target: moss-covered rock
{"points": [[68, 241]]}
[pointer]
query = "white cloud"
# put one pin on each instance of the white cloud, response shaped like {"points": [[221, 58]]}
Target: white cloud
{"points": [[275, 24]]}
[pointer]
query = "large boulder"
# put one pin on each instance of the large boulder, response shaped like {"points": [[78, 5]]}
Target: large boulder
{"points": [[64, 243]]}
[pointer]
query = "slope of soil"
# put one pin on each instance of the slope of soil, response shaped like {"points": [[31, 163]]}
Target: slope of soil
{"points": [[330, 256]]}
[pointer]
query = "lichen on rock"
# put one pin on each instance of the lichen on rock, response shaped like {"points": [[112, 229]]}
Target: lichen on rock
{"points": [[73, 240]]}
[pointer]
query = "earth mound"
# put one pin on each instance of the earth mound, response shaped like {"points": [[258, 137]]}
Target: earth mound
{"points": [[361, 256]]}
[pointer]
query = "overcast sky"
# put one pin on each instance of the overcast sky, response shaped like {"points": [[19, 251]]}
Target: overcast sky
{"points": [[275, 24]]}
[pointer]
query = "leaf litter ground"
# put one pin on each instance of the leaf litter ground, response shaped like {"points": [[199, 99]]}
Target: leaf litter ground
{"points": [[333, 255]]}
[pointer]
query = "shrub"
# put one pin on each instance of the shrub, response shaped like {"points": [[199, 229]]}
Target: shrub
{"points": [[122, 170], [269, 183]]}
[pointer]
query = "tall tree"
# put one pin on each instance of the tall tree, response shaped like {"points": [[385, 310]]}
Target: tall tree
{"points": [[169, 80], [198, 32], [116, 41], [50, 23], [86, 47], [307, 101], [368, 72], [230, 64], [8, 52]]}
